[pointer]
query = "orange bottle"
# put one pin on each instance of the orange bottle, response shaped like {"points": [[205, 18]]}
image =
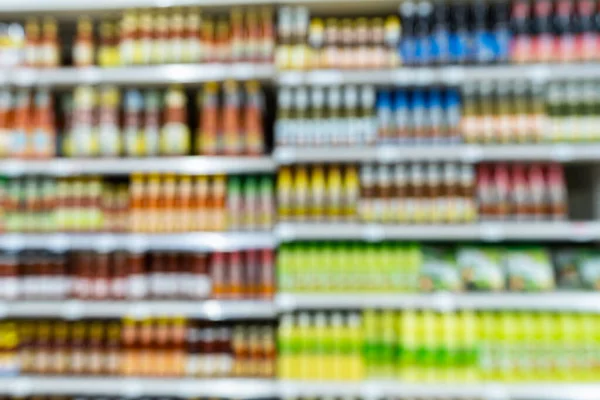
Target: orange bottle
{"points": [[137, 204], [237, 39], [6, 99], [219, 196], [201, 195], [169, 213], [267, 34], [185, 204], [192, 50], [19, 143], [230, 120], [253, 123], [155, 204]]}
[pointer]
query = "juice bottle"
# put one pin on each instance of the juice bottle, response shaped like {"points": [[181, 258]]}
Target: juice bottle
{"points": [[106, 56], [32, 49], [266, 35], [219, 193], [222, 41], [285, 187], [300, 193], [129, 37], [20, 126], [267, 206], [176, 36], [208, 137]]}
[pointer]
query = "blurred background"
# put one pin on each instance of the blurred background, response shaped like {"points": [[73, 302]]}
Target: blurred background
{"points": [[300, 200]]}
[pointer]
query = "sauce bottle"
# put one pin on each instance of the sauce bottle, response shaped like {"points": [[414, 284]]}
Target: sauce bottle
{"points": [[43, 138], [19, 143], [129, 37], [6, 111], [132, 136], [161, 41], [201, 194], [176, 36], [222, 46], [145, 41], [267, 34], [83, 48], [219, 196], [209, 45], [232, 138], [192, 51], [33, 54], [175, 134], [109, 134], [208, 107], [106, 51], [253, 124], [237, 37], [285, 204], [152, 111], [50, 50], [85, 100], [284, 34], [235, 203]]}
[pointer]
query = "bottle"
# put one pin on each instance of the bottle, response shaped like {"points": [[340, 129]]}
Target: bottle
{"points": [[408, 42], [50, 50], [144, 42], [459, 36], [564, 23], [32, 50], [521, 42], [284, 35], [587, 37], [109, 134], [176, 36], [423, 53], [232, 139], [84, 139], [83, 48], [266, 35], [237, 35], [129, 37], [106, 56], [43, 140], [192, 52], [152, 112], [132, 123], [175, 134], [384, 117], [208, 108], [501, 32], [542, 41], [160, 39]]}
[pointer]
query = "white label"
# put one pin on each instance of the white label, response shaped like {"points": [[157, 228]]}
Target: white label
{"points": [[373, 233], [491, 233]]}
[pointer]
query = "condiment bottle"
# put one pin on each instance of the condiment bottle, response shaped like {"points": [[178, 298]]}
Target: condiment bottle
{"points": [[50, 50], [175, 134], [43, 140], [129, 37], [219, 196], [176, 37], [33, 54], [145, 37], [109, 134], [152, 112], [132, 135], [19, 143], [106, 51], [232, 138], [209, 45], [192, 51], [267, 34], [207, 136], [237, 38], [161, 41], [253, 124], [83, 48]]}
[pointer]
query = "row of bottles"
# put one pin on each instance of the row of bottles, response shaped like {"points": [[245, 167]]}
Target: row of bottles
{"points": [[149, 36], [429, 346], [393, 267], [87, 275], [105, 122], [159, 347], [532, 192], [149, 203], [401, 193]]}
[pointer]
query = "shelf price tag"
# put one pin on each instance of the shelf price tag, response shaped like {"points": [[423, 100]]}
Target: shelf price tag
{"points": [[561, 153], [471, 154], [212, 310], [285, 155], [3, 309], [13, 168], [59, 243], [12, 242], [495, 392], [20, 387], [106, 243], [373, 233], [491, 232], [453, 75], [386, 154], [139, 311], [72, 310], [132, 388], [284, 233], [290, 78], [325, 78], [137, 243], [424, 76], [581, 232], [443, 302], [285, 302]]}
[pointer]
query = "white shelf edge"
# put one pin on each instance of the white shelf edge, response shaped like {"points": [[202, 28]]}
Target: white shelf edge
{"points": [[446, 75], [551, 301], [134, 387], [124, 166], [583, 231], [137, 75], [491, 390], [216, 310], [195, 241], [558, 152]]}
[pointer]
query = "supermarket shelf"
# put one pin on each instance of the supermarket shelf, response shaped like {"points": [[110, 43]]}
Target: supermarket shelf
{"points": [[74, 5], [491, 391], [208, 241], [78, 309], [552, 301], [449, 75], [125, 166], [460, 153], [484, 231], [134, 387], [137, 75]]}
